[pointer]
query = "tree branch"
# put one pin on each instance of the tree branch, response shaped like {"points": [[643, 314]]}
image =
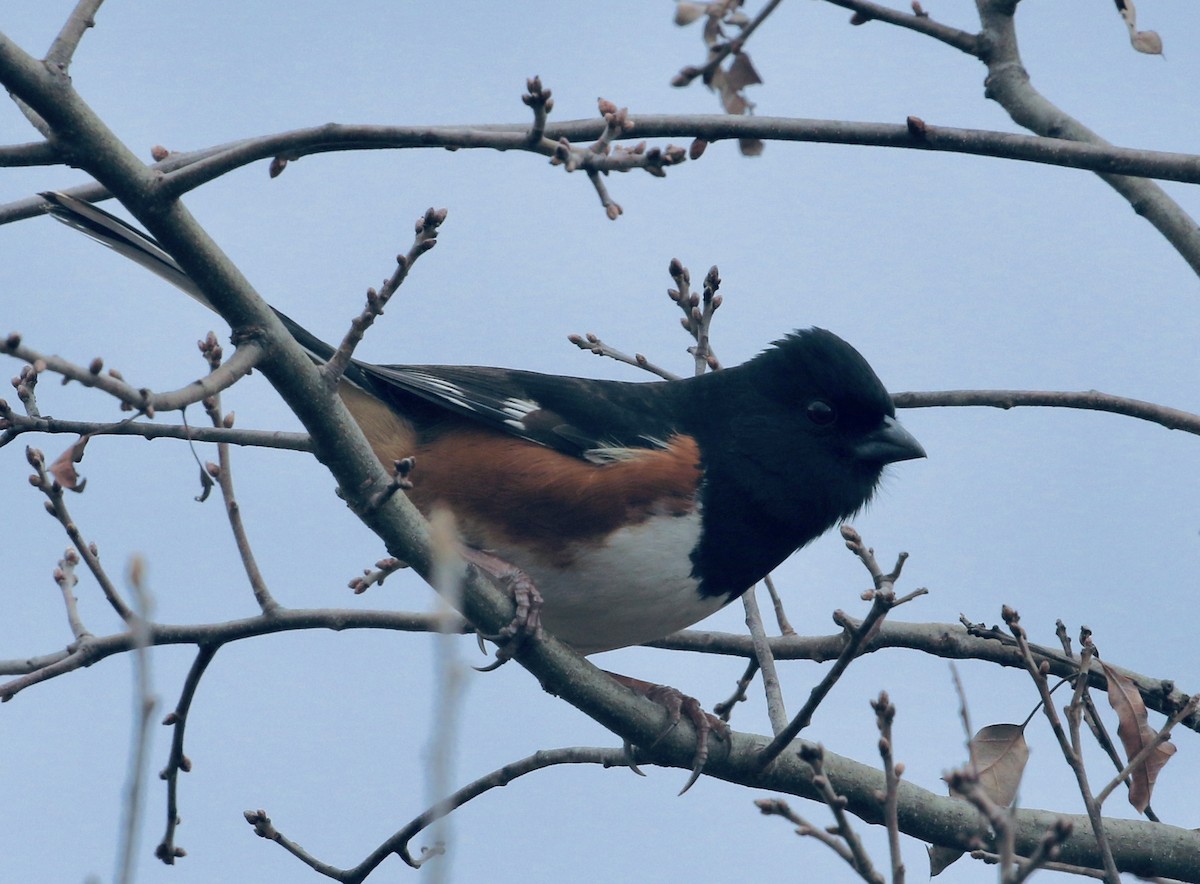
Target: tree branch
{"points": [[1090, 400]]}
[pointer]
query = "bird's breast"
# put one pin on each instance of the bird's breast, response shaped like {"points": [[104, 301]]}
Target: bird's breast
{"points": [[634, 586]]}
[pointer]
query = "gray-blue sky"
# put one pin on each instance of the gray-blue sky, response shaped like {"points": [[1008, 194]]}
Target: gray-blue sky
{"points": [[945, 271]]}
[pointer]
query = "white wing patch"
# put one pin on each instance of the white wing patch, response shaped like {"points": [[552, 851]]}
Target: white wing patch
{"points": [[517, 410], [445, 389], [603, 454]]}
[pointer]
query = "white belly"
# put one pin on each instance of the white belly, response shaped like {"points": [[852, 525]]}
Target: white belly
{"points": [[635, 588]]}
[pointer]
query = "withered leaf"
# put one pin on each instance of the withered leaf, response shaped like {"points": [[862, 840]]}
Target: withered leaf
{"points": [[742, 73], [1143, 41], [1135, 732], [751, 147], [63, 468], [206, 486], [941, 858], [1000, 753], [686, 13], [1147, 41], [733, 102]]}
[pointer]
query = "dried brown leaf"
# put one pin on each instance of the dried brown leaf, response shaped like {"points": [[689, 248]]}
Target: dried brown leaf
{"points": [[1147, 41], [733, 102], [1135, 732], [63, 468], [206, 485], [751, 147], [741, 72], [1000, 754], [712, 31], [1143, 41], [941, 858], [686, 13]]}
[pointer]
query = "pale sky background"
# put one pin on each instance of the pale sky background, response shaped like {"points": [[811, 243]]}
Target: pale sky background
{"points": [[946, 272]]}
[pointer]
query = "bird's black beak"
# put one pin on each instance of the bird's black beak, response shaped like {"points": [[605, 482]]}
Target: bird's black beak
{"points": [[889, 444]]}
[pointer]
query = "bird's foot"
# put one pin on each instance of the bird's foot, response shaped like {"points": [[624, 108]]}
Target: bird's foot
{"points": [[526, 624], [677, 705]]}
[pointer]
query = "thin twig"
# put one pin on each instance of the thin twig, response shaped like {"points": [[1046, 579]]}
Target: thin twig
{"points": [[776, 710], [56, 505], [144, 704], [168, 851], [883, 599], [724, 709], [866, 11], [64, 576], [885, 714], [719, 53], [13, 425], [449, 674], [95, 648], [426, 238], [593, 344], [222, 471], [1089, 400], [398, 843], [142, 400], [814, 756], [785, 628], [1012, 620]]}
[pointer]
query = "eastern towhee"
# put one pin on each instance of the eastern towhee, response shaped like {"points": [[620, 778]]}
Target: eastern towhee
{"points": [[636, 508]]}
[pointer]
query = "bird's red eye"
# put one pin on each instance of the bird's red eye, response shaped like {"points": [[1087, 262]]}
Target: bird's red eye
{"points": [[820, 412]]}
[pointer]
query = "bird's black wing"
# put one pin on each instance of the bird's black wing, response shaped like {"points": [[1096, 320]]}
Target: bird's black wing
{"points": [[593, 419]]}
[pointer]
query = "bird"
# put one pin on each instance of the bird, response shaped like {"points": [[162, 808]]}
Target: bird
{"points": [[635, 508]]}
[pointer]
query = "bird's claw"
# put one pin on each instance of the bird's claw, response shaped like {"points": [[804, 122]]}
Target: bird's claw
{"points": [[526, 624], [677, 705]]}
